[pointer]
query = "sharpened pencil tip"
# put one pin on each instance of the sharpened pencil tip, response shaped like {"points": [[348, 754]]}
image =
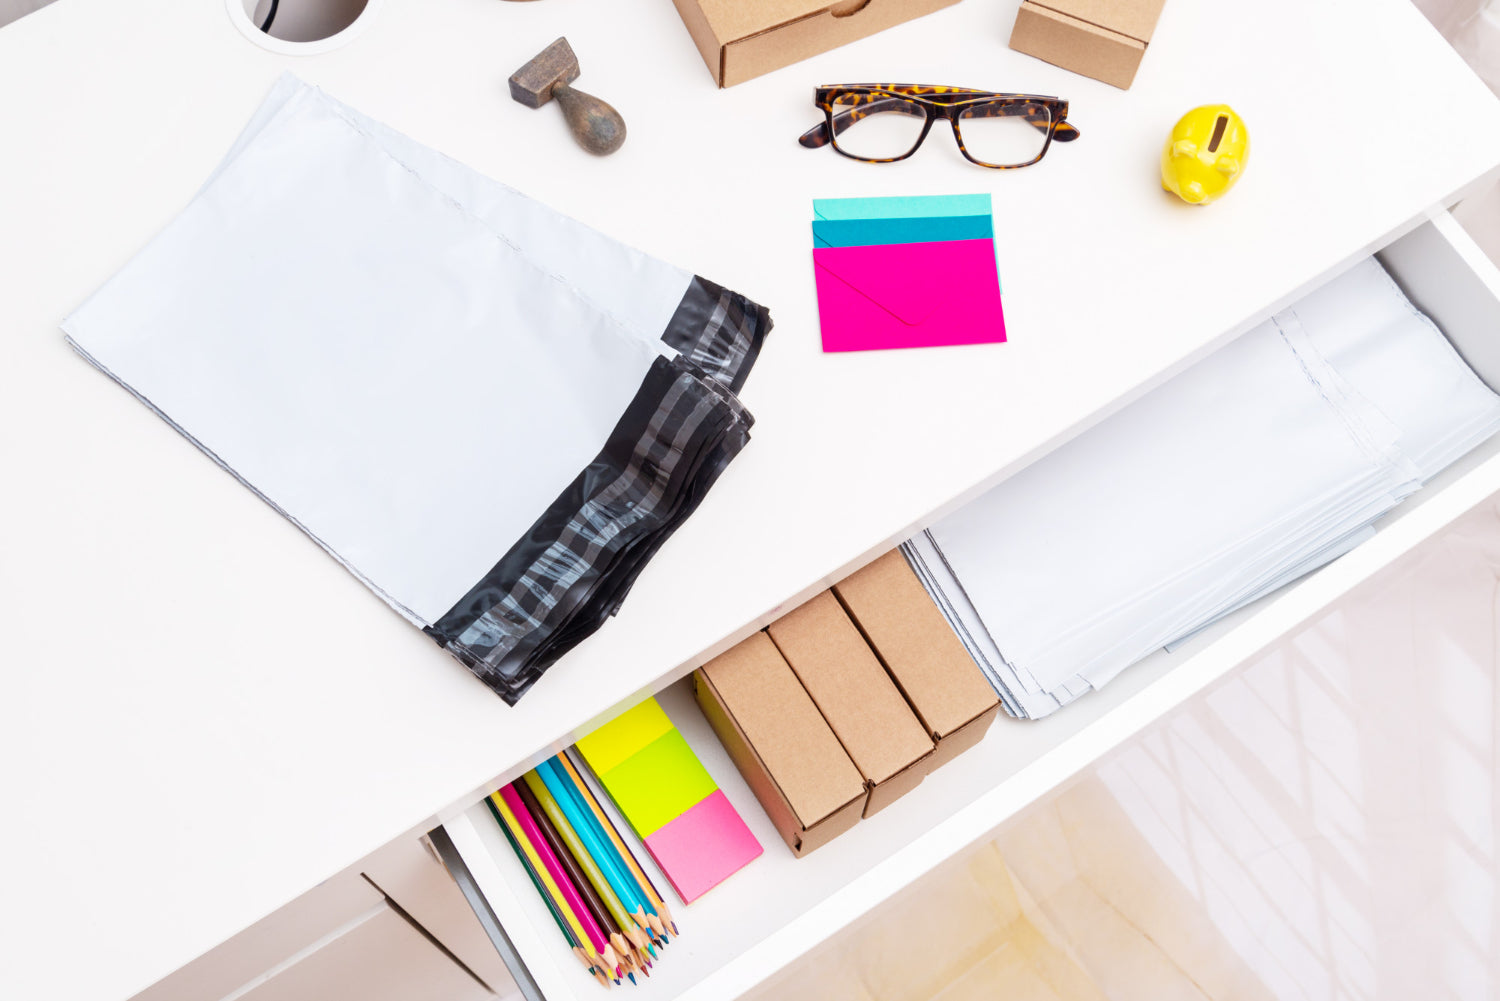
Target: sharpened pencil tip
{"points": [[631, 976]]}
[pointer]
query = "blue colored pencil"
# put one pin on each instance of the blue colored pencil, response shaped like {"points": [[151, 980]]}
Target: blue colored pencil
{"points": [[597, 842], [587, 827], [552, 778]]}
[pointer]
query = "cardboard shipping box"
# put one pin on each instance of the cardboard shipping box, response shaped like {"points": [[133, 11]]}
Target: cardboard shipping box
{"points": [[780, 743], [742, 39], [885, 740], [922, 654], [1103, 39]]}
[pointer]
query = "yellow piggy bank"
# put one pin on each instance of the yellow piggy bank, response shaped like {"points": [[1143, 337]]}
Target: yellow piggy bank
{"points": [[1205, 154]]}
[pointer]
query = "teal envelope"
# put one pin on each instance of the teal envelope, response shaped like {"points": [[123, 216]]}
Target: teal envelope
{"points": [[868, 222], [870, 232]]}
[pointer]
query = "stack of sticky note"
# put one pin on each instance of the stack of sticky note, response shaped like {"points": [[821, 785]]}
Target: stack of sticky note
{"points": [[907, 272], [669, 800]]}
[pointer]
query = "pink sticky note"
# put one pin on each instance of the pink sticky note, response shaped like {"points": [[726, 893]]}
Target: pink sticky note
{"points": [[908, 295], [703, 847]]}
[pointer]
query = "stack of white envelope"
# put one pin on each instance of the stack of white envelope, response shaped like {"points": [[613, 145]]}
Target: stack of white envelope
{"points": [[1254, 467], [491, 414]]}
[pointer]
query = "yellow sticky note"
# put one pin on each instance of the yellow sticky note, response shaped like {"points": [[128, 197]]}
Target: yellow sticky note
{"points": [[623, 736]]}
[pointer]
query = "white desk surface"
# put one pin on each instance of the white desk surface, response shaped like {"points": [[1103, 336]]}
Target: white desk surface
{"points": [[204, 715]]}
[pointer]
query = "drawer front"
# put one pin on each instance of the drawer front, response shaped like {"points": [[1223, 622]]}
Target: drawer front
{"points": [[412, 878], [780, 907], [380, 957], [269, 942]]}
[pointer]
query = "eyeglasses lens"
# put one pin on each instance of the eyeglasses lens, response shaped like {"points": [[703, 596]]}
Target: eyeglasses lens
{"points": [[1005, 134], [877, 127]]}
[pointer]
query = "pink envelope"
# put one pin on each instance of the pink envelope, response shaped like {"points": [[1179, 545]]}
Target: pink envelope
{"points": [[908, 295]]}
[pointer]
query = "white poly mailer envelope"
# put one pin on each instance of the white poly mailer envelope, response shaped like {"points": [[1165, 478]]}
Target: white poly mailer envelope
{"points": [[492, 443]]}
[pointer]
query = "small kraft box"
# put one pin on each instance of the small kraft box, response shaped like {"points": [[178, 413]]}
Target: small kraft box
{"points": [[742, 39], [781, 744], [1103, 39], [884, 739], [921, 653]]}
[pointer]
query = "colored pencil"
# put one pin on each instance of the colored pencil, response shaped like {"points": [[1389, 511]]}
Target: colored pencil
{"points": [[583, 828], [632, 897], [596, 891], [575, 844], [627, 939], [515, 807], [531, 874], [642, 908], [591, 895], [556, 898], [592, 964], [652, 892]]}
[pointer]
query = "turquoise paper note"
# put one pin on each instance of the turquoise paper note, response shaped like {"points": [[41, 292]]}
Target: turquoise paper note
{"points": [[901, 207], [870, 232]]}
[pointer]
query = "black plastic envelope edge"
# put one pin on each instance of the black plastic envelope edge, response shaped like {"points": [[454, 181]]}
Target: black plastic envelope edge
{"points": [[510, 660], [719, 331], [600, 597], [637, 487], [610, 595]]}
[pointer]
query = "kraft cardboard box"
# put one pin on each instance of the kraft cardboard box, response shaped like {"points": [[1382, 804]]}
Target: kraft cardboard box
{"points": [[922, 654], [781, 744], [742, 39], [859, 700], [1103, 39]]}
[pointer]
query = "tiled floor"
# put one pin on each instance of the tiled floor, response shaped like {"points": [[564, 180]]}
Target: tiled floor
{"points": [[1320, 825]]}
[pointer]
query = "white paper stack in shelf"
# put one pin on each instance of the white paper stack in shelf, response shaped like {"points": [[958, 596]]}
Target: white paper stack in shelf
{"points": [[1256, 466]]}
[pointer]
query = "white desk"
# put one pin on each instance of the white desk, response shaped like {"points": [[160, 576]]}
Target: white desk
{"points": [[205, 715]]}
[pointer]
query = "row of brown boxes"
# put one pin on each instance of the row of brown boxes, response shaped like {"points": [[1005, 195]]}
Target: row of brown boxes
{"points": [[741, 39], [844, 705]]}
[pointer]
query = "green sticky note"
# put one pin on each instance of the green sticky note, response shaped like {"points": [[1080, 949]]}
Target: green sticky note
{"points": [[901, 207], [624, 735], [657, 784]]}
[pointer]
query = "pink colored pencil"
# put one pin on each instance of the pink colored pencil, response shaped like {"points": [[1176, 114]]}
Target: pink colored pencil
{"points": [[559, 876]]}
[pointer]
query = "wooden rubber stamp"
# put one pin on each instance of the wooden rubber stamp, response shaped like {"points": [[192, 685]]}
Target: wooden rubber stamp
{"points": [[597, 126]]}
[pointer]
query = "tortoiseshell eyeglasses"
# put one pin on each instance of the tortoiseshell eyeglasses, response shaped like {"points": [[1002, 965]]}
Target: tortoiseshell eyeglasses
{"points": [[886, 122]]}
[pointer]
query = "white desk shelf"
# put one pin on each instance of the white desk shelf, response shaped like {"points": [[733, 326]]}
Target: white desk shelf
{"points": [[780, 906], [205, 716]]}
